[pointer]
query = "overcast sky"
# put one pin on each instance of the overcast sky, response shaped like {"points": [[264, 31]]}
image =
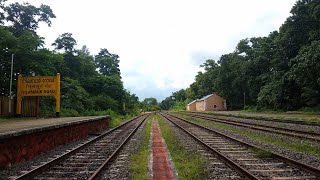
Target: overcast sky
{"points": [[162, 43]]}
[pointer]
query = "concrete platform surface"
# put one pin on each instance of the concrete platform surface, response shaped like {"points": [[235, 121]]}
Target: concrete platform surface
{"points": [[24, 124], [23, 139]]}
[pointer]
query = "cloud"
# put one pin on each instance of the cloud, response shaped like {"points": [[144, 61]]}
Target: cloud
{"points": [[162, 43], [198, 58]]}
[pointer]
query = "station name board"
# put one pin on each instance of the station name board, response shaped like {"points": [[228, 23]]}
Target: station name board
{"points": [[39, 86]]}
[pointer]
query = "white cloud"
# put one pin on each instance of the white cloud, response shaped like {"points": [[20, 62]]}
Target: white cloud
{"points": [[157, 40]]}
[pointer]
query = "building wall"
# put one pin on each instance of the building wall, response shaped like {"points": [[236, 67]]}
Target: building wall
{"points": [[192, 107], [215, 103], [23, 145], [200, 106]]}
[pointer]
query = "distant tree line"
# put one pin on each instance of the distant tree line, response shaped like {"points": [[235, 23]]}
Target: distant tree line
{"points": [[89, 82], [280, 71]]}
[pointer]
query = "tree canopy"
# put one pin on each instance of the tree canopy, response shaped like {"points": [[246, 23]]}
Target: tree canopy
{"points": [[279, 71], [89, 82]]}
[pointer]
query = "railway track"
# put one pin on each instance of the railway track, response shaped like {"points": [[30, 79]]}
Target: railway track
{"points": [[261, 127], [244, 158], [88, 160], [263, 119]]}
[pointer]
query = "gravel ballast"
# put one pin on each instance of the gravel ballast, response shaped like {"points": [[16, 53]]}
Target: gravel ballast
{"points": [[301, 157], [18, 169]]}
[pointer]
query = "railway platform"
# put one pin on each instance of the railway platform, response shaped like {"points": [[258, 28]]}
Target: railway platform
{"points": [[22, 139]]}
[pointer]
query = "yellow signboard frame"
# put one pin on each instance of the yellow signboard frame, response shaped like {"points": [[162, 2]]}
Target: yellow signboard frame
{"points": [[38, 86]]}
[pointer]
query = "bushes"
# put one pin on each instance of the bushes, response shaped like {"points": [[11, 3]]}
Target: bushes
{"points": [[69, 113]]}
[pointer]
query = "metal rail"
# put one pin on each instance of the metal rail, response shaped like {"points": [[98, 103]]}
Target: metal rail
{"points": [[260, 127], [113, 155], [264, 119], [44, 167], [298, 164], [222, 157]]}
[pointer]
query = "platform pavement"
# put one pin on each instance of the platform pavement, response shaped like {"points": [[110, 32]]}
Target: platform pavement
{"points": [[28, 123], [23, 139]]}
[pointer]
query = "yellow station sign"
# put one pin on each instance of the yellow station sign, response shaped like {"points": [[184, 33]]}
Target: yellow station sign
{"points": [[38, 86]]}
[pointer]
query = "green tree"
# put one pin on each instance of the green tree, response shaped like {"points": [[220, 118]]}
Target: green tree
{"points": [[82, 87], [25, 16], [107, 63], [150, 104], [305, 72], [18, 37], [167, 103], [73, 96], [65, 42], [7, 43], [110, 86]]}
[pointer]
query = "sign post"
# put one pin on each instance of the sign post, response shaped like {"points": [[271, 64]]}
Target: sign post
{"points": [[57, 95], [38, 86]]}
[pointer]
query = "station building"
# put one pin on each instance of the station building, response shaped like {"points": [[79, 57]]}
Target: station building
{"points": [[192, 106], [211, 102]]}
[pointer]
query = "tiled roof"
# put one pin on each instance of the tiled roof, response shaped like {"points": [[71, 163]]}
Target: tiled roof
{"points": [[205, 97], [192, 102]]}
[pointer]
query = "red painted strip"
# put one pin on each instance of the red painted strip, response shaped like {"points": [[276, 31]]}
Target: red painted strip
{"points": [[161, 167]]}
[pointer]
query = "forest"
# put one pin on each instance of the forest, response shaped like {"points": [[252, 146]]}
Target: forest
{"points": [[89, 83], [278, 72]]}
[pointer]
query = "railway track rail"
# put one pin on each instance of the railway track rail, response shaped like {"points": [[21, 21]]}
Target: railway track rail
{"points": [[89, 159], [245, 158], [266, 128], [263, 119]]}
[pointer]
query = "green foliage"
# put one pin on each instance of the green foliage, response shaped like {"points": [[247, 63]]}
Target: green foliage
{"points": [[150, 104], [107, 63], [298, 146], [167, 103], [279, 71], [104, 102], [179, 106], [139, 160], [261, 153], [305, 72], [177, 100], [66, 42], [308, 110], [26, 17], [73, 96], [69, 113], [189, 165], [117, 119], [104, 85], [92, 112], [83, 88]]}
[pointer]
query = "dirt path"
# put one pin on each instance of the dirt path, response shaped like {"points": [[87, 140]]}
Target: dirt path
{"points": [[161, 166]]}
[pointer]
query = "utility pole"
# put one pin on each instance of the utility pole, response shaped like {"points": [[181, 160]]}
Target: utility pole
{"points": [[10, 96], [244, 99]]}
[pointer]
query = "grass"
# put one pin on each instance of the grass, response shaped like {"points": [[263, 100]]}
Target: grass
{"points": [[305, 119], [188, 164], [139, 160], [263, 153], [302, 146], [117, 120], [305, 110], [277, 117], [4, 119]]}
